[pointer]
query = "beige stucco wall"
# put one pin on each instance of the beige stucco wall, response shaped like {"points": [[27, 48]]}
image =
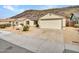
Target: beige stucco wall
{"points": [[31, 23], [4, 22], [51, 24], [64, 22], [20, 22]]}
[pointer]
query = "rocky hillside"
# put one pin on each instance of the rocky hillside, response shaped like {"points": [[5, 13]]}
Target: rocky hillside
{"points": [[35, 14]]}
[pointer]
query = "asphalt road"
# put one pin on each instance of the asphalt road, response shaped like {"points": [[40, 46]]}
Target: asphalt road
{"points": [[7, 47]]}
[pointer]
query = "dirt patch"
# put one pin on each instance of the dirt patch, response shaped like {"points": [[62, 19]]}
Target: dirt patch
{"points": [[49, 34], [71, 35]]}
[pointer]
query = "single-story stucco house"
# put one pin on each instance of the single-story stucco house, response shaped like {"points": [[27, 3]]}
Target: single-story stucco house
{"points": [[2, 21], [7, 21], [52, 21], [24, 21]]}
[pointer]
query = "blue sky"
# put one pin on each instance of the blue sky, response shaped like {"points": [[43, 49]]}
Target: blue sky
{"points": [[11, 10]]}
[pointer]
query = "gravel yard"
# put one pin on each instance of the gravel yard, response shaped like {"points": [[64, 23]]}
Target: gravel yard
{"points": [[71, 35], [71, 39], [40, 40], [37, 40]]}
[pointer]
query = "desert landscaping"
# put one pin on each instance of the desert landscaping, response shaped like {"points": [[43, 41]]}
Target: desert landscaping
{"points": [[71, 35], [65, 38], [40, 32]]}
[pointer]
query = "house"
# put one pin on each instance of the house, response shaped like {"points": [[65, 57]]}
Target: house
{"points": [[24, 21], [7, 21], [11, 21], [52, 21], [2, 21]]}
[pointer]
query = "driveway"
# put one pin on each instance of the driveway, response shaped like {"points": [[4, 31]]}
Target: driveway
{"points": [[41, 41]]}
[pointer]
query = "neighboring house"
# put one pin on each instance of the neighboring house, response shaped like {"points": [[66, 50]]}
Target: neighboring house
{"points": [[52, 21], [5, 21], [2, 21], [11, 21]]}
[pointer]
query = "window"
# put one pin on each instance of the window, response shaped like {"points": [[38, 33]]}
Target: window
{"points": [[36, 23], [50, 14], [27, 22], [16, 23]]}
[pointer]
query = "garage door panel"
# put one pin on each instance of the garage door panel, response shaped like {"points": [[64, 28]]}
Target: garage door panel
{"points": [[53, 24]]}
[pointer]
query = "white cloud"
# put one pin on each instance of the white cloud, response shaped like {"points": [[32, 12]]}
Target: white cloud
{"points": [[15, 9], [19, 10], [11, 8]]}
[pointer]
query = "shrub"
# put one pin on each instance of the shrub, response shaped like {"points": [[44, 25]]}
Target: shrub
{"points": [[25, 28], [22, 24], [37, 25], [4, 25], [7, 25]]}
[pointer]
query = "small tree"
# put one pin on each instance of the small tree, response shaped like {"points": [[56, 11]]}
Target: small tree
{"points": [[71, 18], [25, 28], [13, 24], [22, 24]]}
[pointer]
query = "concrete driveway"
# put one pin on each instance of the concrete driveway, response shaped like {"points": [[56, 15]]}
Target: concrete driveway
{"points": [[43, 41]]}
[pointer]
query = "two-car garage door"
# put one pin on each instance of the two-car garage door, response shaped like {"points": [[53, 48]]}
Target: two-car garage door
{"points": [[51, 24]]}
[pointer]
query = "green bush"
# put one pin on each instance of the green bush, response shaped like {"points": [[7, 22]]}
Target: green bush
{"points": [[25, 28], [4, 25], [76, 25], [22, 24], [37, 25], [7, 25]]}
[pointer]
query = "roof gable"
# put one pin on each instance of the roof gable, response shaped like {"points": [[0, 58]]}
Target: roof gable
{"points": [[7, 20], [22, 19], [51, 16]]}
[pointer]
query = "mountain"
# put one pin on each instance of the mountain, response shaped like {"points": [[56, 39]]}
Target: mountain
{"points": [[36, 14]]}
